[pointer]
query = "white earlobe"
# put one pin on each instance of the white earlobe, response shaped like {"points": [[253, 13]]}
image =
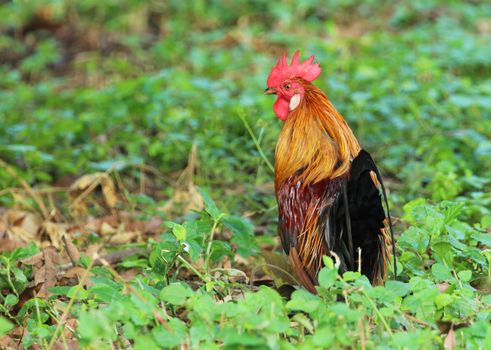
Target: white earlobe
{"points": [[294, 101]]}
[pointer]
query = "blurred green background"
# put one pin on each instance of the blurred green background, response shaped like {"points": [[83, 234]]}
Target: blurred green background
{"points": [[90, 85], [167, 96]]}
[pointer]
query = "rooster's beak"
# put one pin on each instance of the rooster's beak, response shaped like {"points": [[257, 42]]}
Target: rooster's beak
{"points": [[270, 91]]}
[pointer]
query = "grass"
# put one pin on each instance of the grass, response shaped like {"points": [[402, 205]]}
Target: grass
{"points": [[136, 198]]}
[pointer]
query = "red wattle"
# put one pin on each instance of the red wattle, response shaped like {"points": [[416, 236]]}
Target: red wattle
{"points": [[281, 108]]}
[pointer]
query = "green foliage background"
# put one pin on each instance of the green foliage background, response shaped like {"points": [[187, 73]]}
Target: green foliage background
{"points": [[128, 83]]}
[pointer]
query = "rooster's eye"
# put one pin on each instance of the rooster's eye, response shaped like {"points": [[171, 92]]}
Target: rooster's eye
{"points": [[287, 86]]}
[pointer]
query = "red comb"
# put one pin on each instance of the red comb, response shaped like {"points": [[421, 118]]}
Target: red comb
{"points": [[282, 71]]}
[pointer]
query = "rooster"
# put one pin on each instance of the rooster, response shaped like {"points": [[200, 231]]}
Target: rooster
{"points": [[328, 189]]}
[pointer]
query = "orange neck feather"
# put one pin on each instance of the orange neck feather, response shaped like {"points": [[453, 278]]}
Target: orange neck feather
{"points": [[315, 139]]}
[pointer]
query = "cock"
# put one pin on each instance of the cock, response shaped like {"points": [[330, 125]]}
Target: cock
{"points": [[328, 189]]}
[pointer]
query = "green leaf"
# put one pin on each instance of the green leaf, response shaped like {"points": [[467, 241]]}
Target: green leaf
{"points": [[220, 249], [93, 324], [210, 205], [349, 276], [170, 338], [465, 275], [179, 231], [443, 300], [399, 288], [145, 342], [327, 277], [243, 234], [175, 293], [105, 293], [11, 299], [323, 337], [301, 300], [24, 252], [484, 238], [232, 339], [19, 275], [328, 262], [486, 222], [444, 251], [441, 272], [193, 249], [5, 326]]}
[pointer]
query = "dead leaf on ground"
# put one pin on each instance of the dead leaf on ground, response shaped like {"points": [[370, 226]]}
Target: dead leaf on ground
{"points": [[108, 191], [3, 228], [450, 342], [83, 182], [277, 267], [33, 260], [153, 226], [46, 275], [70, 345], [71, 249], [70, 325], [124, 237], [92, 250], [55, 231], [5, 341], [442, 287], [107, 229], [85, 185], [23, 226], [76, 271], [8, 245], [129, 275], [188, 198]]}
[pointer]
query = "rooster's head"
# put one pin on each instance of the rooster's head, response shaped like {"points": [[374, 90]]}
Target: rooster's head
{"points": [[286, 81]]}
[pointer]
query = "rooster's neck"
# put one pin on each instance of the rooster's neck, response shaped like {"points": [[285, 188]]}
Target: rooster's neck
{"points": [[315, 143]]}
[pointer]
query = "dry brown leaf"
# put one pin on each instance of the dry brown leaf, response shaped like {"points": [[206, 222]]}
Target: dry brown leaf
{"points": [[129, 275], [442, 287], [450, 341], [8, 245], [92, 249], [107, 229], [91, 181], [23, 225], [71, 249], [153, 226], [55, 232], [5, 341], [70, 344], [15, 217], [108, 191], [484, 26], [3, 228], [70, 324], [124, 237], [83, 182], [226, 263], [76, 271], [278, 269], [93, 224], [33, 260], [189, 198], [46, 275]]}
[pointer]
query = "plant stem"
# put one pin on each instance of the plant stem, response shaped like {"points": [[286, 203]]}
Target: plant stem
{"points": [[379, 314], [212, 233], [192, 268], [256, 142], [9, 278], [71, 302]]}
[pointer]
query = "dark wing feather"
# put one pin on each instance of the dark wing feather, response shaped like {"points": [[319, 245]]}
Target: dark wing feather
{"points": [[357, 220]]}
